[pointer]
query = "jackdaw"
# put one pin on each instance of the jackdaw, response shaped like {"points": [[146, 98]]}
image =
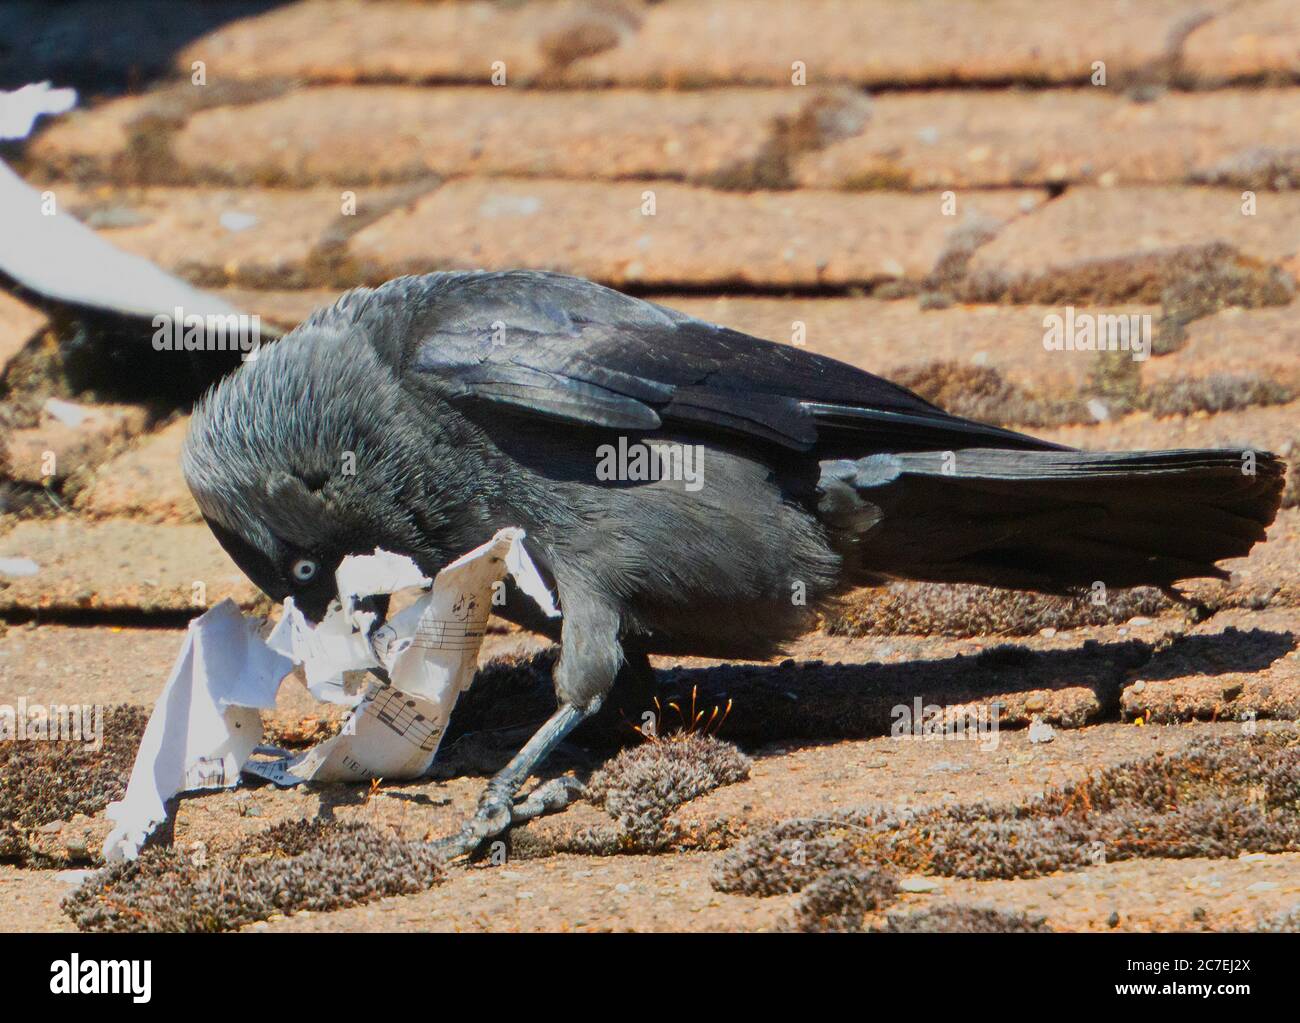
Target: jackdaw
{"points": [[686, 489]]}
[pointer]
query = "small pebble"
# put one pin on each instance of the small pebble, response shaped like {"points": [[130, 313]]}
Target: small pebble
{"points": [[235, 221], [18, 568]]}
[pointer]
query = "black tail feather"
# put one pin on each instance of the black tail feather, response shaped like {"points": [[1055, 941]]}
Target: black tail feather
{"points": [[1052, 520]]}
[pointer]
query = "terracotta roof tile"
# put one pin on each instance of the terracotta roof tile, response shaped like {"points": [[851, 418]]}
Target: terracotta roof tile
{"points": [[144, 482], [960, 139], [1257, 39], [55, 449], [19, 323], [119, 565], [353, 135], [1129, 243], [696, 42], [695, 238], [217, 237]]}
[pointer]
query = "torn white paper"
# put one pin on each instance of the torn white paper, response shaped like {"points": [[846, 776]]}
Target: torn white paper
{"points": [[340, 643], [391, 734], [431, 648], [62, 259], [430, 651], [372, 574], [20, 109], [206, 726]]}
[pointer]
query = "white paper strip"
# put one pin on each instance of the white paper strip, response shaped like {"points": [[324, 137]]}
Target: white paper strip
{"points": [[205, 725]]}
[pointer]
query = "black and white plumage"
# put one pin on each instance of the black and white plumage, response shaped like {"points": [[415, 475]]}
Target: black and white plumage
{"points": [[424, 415]]}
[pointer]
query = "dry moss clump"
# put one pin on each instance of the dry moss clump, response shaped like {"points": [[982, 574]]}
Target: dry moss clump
{"points": [[943, 609], [642, 787], [1219, 392], [960, 918], [1191, 281], [1224, 280], [1287, 922], [46, 781], [300, 865], [1259, 169], [1218, 798], [792, 855], [981, 392], [838, 901]]}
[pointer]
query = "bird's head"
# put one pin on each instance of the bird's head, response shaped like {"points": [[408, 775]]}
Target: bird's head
{"points": [[296, 460]]}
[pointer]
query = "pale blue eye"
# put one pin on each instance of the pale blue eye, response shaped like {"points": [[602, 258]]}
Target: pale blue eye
{"points": [[304, 570]]}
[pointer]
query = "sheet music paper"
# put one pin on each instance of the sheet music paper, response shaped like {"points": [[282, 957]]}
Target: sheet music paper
{"points": [[206, 725], [391, 734]]}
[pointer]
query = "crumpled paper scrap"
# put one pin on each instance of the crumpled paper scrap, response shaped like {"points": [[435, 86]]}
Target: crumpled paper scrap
{"points": [[20, 109], [206, 725]]}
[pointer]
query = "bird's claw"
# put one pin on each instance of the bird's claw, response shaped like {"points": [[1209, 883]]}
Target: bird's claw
{"points": [[497, 811], [551, 797]]}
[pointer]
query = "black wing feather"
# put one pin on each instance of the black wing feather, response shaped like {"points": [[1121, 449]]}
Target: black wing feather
{"points": [[563, 347]]}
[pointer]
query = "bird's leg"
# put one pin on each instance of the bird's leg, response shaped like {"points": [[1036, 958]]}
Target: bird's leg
{"points": [[634, 690], [590, 655], [496, 809]]}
